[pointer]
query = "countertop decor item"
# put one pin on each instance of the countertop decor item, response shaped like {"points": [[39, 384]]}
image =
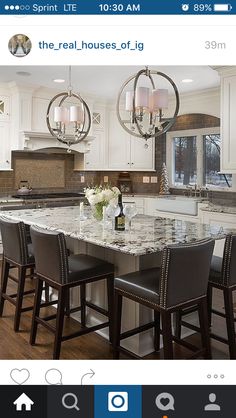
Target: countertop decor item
{"points": [[145, 106], [24, 188], [125, 182], [78, 115], [164, 182], [100, 196]]}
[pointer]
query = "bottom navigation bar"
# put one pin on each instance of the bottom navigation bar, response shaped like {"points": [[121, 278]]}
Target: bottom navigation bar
{"points": [[117, 401]]}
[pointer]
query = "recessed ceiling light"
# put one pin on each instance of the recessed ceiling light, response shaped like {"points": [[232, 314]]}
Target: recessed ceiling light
{"points": [[23, 73], [187, 80], [59, 80]]}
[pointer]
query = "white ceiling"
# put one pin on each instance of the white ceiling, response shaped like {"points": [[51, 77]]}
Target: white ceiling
{"points": [[105, 81]]}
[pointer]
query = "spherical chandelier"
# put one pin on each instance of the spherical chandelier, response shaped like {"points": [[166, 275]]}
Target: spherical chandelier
{"points": [[71, 122], [144, 106]]}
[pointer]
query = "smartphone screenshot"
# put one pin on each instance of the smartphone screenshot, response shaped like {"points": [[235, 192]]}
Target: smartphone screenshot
{"points": [[117, 208]]}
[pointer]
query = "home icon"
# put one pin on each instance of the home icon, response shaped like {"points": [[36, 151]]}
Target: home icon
{"points": [[23, 403]]}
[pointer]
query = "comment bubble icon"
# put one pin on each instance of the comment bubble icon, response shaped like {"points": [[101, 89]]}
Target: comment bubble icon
{"points": [[53, 377]]}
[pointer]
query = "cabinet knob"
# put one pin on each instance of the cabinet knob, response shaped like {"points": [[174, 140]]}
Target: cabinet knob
{"points": [[87, 162], [132, 163], [128, 163]]}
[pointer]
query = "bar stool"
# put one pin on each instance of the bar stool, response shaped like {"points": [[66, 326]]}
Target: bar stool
{"points": [[223, 277], [180, 282], [62, 273], [17, 253]]}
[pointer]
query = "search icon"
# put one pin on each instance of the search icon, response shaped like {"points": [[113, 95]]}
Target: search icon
{"points": [[69, 405]]}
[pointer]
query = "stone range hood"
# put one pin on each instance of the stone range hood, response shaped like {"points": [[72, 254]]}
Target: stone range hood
{"points": [[44, 141]]}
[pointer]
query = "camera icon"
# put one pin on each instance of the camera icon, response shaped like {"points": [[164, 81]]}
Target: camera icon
{"points": [[118, 401]]}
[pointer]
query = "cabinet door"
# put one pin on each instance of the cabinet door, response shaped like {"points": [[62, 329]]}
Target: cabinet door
{"points": [[228, 126], [4, 108], [118, 145], [95, 159], [142, 154], [5, 155]]}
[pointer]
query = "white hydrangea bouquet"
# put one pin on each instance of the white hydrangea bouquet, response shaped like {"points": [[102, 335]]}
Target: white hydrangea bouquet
{"points": [[100, 196]]}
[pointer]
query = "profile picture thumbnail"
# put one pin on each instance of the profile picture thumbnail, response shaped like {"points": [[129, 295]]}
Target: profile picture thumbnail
{"points": [[19, 45]]}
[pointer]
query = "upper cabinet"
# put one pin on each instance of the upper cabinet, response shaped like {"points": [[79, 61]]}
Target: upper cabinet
{"points": [[5, 154], [96, 158], [126, 152], [228, 126], [4, 108]]}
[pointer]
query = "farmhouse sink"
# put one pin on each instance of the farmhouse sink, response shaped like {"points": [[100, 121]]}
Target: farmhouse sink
{"points": [[178, 204]]}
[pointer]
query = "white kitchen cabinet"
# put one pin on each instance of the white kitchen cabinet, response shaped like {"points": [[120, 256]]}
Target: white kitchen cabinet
{"points": [[5, 154], [95, 159], [4, 108], [221, 220], [228, 127], [126, 152]]}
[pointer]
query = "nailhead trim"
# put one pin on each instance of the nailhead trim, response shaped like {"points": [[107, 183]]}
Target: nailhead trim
{"points": [[227, 257]]}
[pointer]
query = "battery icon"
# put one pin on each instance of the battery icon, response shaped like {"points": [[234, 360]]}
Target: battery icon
{"points": [[222, 7]]}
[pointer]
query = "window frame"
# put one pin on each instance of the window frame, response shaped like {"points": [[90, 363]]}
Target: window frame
{"points": [[170, 155]]}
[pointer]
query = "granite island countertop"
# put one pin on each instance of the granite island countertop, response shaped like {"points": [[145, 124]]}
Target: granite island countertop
{"points": [[149, 234], [220, 209]]}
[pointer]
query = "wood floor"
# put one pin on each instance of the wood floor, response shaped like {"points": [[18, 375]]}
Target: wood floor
{"points": [[92, 346]]}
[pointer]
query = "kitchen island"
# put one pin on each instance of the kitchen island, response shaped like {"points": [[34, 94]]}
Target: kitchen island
{"points": [[128, 251]]}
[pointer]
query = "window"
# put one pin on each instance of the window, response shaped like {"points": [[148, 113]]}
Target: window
{"points": [[185, 160], [211, 165], [193, 157]]}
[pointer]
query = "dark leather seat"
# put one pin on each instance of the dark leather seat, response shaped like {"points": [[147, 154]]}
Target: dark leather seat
{"points": [[144, 284], [216, 268], [84, 267], [180, 282], [63, 272], [17, 253]]}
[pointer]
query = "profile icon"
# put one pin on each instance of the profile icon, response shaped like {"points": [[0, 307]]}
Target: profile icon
{"points": [[212, 406], [19, 45]]}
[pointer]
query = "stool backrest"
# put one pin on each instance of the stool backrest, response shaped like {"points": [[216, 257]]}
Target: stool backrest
{"points": [[229, 261], [184, 272], [51, 259], [14, 240]]}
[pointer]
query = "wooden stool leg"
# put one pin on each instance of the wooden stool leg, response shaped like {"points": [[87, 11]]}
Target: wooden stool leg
{"points": [[157, 331], [62, 295], [5, 273], [117, 324], [47, 294], [36, 310], [209, 304], [177, 323], [204, 328], [229, 312], [110, 305], [19, 298], [167, 335], [32, 273], [83, 304]]}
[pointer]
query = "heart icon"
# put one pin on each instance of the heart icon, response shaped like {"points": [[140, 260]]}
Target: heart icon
{"points": [[20, 376]]}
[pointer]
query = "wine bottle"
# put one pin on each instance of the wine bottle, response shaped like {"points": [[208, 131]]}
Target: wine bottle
{"points": [[120, 218]]}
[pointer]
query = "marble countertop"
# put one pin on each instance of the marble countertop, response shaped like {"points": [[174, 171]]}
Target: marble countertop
{"points": [[220, 209], [149, 234], [9, 199]]}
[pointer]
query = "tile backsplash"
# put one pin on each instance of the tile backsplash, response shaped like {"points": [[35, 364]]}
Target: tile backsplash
{"points": [[39, 170]]}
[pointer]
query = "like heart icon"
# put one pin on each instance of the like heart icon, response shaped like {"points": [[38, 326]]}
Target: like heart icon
{"points": [[20, 376]]}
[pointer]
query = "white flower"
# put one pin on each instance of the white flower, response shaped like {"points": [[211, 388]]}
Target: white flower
{"points": [[98, 194], [115, 190]]}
